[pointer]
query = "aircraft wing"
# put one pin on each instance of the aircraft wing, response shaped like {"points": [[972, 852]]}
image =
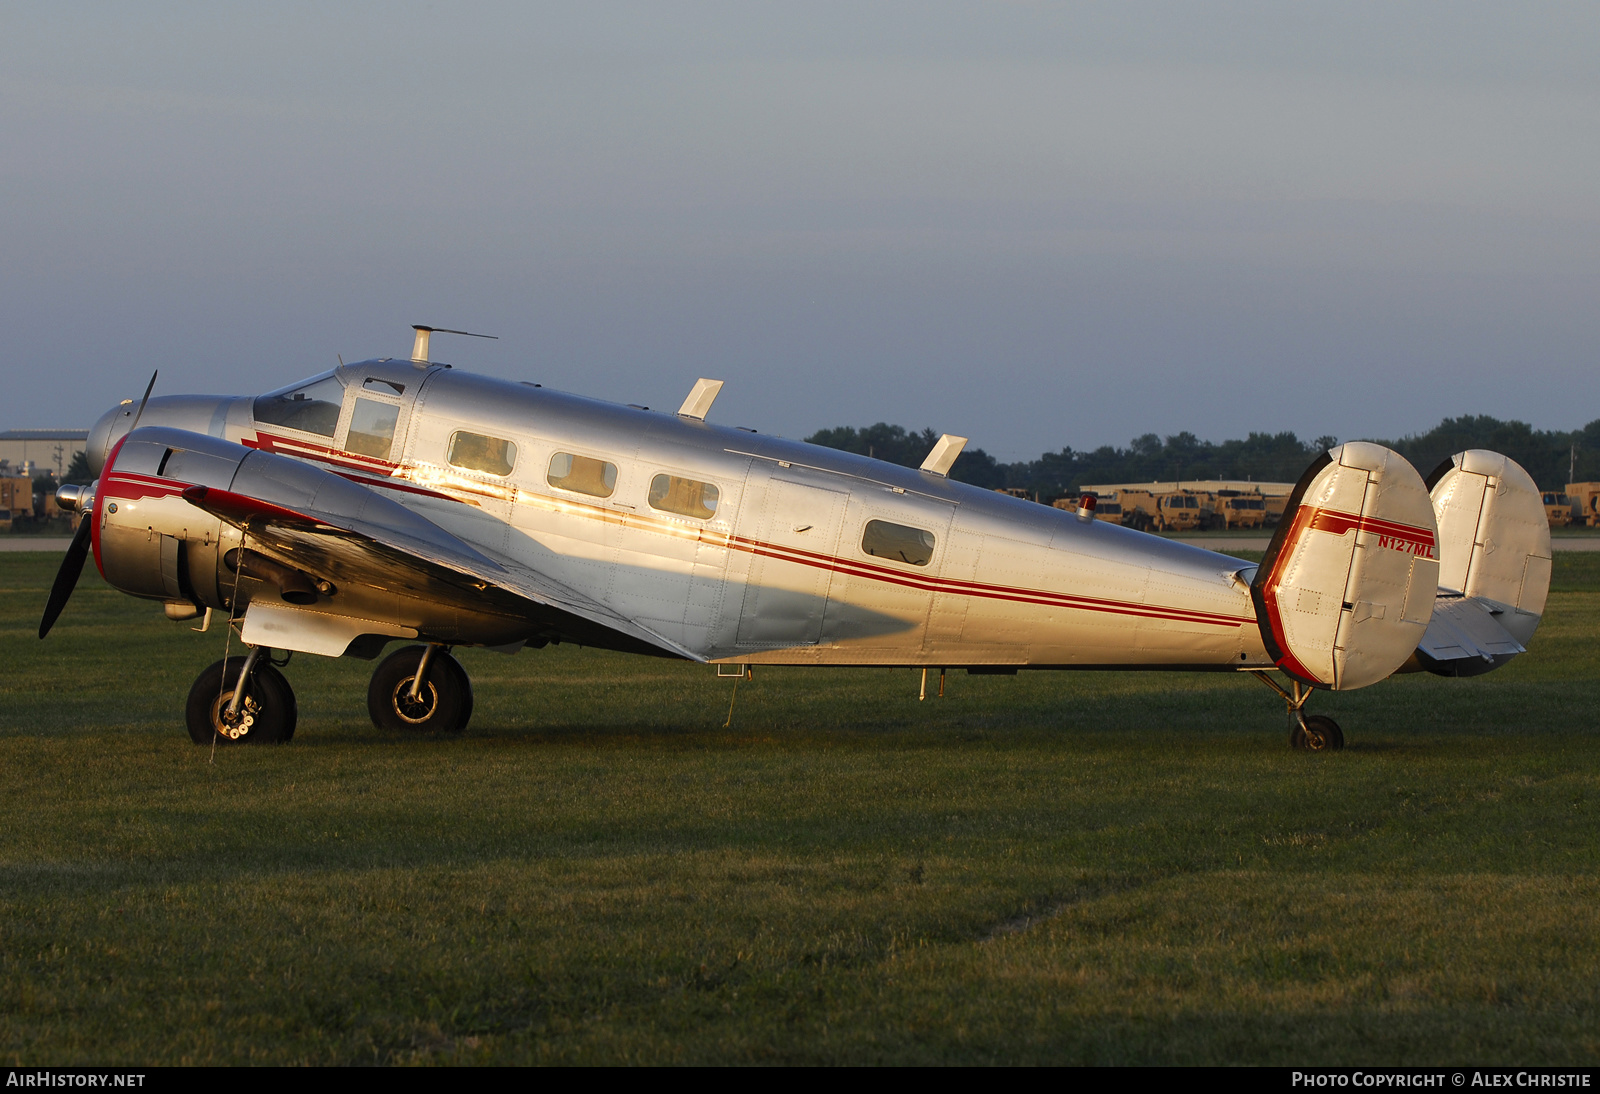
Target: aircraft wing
{"points": [[326, 523]]}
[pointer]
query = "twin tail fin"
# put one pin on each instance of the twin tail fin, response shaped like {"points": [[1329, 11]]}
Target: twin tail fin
{"points": [[1374, 571]]}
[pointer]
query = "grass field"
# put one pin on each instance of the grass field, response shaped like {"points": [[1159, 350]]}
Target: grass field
{"points": [[1054, 868]]}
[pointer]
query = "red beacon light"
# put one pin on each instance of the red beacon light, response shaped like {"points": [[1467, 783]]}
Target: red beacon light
{"points": [[1086, 506]]}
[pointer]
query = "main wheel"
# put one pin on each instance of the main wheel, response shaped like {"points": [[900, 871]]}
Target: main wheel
{"points": [[443, 703], [1320, 733], [267, 713]]}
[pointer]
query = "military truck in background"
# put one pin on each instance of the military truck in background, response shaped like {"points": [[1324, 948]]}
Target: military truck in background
{"points": [[1237, 509], [16, 500], [1182, 511], [1107, 507], [1275, 504], [1134, 508], [1187, 506], [1557, 509], [1138, 508], [1584, 497]]}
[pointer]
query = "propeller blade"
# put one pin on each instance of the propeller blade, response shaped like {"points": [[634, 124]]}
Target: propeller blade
{"points": [[66, 577], [147, 390]]}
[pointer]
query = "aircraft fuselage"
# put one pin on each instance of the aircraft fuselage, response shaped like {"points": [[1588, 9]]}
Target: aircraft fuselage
{"points": [[742, 547]]}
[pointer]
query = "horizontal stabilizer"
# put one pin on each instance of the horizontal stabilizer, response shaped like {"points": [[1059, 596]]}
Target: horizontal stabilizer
{"points": [[1465, 638]]}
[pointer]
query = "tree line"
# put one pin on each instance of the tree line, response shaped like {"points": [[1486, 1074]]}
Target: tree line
{"points": [[1546, 454]]}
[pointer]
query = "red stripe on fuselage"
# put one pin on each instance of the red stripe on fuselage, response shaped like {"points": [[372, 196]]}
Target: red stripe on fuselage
{"points": [[956, 587], [854, 567], [344, 464]]}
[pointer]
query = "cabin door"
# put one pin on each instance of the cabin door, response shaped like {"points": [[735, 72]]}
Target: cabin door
{"points": [[794, 542]]}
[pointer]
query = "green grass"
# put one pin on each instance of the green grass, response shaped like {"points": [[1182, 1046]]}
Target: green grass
{"points": [[1056, 867]]}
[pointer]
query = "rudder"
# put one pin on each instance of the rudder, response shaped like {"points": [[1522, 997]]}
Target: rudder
{"points": [[1494, 563], [1347, 586]]}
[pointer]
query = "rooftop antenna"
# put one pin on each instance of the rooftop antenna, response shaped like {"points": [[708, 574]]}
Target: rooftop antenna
{"points": [[419, 348], [944, 454]]}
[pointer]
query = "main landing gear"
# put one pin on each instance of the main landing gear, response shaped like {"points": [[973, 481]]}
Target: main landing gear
{"points": [[246, 700], [243, 700], [1307, 733], [420, 689]]}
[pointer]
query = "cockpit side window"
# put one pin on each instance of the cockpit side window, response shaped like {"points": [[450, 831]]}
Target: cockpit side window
{"points": [[372, 428], [311, 405]]}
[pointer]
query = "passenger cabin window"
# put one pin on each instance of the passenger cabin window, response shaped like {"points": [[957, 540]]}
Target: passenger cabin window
{"points": [[372, 428], [582, 474], [898, 542], [311, 405], [383, 387], [475, 452], [686, 497]]}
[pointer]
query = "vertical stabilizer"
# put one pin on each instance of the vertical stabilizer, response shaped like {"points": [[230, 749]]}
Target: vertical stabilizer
{"points": [[1347, 586], [1494, 538]]}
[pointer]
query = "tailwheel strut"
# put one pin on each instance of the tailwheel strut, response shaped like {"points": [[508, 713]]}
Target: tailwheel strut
{"points": [[1307, 733]]}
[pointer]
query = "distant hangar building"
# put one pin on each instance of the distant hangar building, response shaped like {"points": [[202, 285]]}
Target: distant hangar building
{"points": [[41, 448]]}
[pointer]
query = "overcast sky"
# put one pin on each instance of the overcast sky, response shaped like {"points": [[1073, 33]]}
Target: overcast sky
{"points": [[1037, 225]]}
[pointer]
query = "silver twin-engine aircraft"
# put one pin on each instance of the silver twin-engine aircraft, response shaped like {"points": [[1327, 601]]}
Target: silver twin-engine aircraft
{"points": [[403, 500]]}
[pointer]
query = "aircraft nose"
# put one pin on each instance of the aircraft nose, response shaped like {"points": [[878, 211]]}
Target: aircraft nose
{"points": [[104, 435], [196, 413]]}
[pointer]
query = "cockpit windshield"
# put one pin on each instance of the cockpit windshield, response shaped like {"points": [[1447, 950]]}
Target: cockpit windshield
{"points": [[310, 405]]}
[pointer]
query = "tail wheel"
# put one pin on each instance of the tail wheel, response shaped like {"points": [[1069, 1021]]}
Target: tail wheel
{"points": [[267, 712], [443, 704], [1318, 733]]}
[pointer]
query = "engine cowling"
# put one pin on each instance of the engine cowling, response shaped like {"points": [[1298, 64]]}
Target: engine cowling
{"points": [[150, 542]]}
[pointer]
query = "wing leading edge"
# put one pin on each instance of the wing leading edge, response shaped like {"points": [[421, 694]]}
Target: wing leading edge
{"points": [[316, 518]]}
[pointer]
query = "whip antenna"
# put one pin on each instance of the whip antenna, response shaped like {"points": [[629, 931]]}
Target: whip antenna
{"points": [[419, 348]]}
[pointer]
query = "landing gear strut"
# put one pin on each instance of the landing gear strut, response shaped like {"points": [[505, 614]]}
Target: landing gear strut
{"points": [[243, 700], [1307, 733], [420, 689]]}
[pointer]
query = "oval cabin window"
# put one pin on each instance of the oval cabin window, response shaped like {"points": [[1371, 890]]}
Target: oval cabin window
{"points": [[686, 497], [898, 542], [582, 475], [475, 452]]}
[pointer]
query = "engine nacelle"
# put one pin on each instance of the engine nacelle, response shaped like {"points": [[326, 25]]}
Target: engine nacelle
{"points": [[150, 542]]}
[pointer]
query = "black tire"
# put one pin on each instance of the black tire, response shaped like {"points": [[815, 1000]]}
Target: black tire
{"points": [[446, 699], [1320, 733], [268, 713]]}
